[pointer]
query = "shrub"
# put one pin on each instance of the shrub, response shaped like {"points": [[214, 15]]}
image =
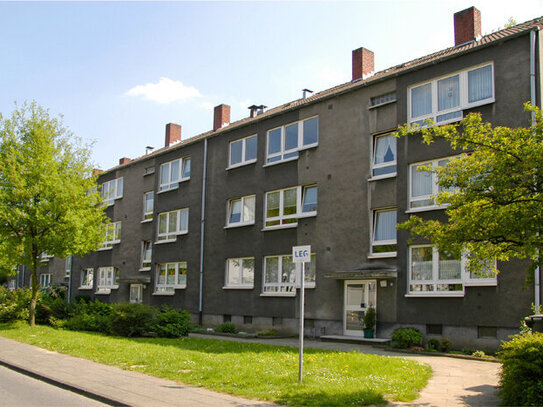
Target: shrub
{"points": [[15, 304], [270, 332], [131, 319], [171, 323], [467, 351], [521, 379], [88, 322], [82, 298], [445, 345], [433, 344], [479, 354], [407, 337], [227, 327]]}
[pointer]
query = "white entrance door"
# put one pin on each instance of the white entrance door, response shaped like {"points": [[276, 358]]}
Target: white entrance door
{"points": [[359, 296]]}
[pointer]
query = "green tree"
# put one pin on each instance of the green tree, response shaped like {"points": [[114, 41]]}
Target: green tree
{"points": [[48, 198], [494, 191]]}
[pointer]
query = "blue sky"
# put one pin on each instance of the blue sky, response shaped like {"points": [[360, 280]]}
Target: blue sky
{"points": [[119, 71]]}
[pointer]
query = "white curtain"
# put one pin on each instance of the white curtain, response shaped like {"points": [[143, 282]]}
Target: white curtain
{"points": [[385, 228], [385, 151], [421, 100], [421, 182], [480, 84], [448, 91]]}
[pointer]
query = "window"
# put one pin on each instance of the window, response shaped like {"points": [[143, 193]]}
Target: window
{"points": [[173, 172], [148, 205], [442, 100], [149, 171], [423, 185], [384, 155], [171, 276], [383, 99], [384, 233], [107, 279], [68, 266], [439, 273], [171, 224], [280, 274], [241, 211], [285, 206], [111, 191], [112, 235], [45, 280], [136, 293], [44, 257], [87, 279], [240, 272], [243, 151], [146, 255], [285, 142]]}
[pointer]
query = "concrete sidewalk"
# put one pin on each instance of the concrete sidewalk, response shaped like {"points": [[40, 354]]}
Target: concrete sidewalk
{"points": [[456, 382]]}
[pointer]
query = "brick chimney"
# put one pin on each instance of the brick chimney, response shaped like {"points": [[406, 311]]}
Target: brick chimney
{"points": [[96, 171], [124, 160], [173, 134], [363, 63], [221, 116], [467, 26]]}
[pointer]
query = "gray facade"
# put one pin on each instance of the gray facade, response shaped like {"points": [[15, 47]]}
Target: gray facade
{"points": [[351, 117]]}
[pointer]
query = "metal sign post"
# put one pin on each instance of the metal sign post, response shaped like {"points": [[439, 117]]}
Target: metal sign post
{"points": [[301, 254]]}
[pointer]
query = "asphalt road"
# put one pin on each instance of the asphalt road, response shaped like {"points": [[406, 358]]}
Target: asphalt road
{"points": [[18, 390]]}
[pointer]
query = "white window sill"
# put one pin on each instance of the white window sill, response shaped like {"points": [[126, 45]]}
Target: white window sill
{"points": [[170, 293], [427, 208], [105, 291], [147, 220], [382, 255], [85, 288], [165, 241], [290, 294], [145, 269], [168, 190], [435, 294], [238, 225], [307, 214], [279, 227], [309, 146], [486, 283], [382, 104], [242, 164], [102, 249], [384, 176], [238, 287], [280, 161]]}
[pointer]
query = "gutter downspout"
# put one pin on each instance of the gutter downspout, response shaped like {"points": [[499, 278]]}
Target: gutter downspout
{"points": [[202, 237], [533, 87]]}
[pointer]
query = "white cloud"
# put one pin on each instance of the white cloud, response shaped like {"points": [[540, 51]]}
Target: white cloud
{"points": [[165, 90]]}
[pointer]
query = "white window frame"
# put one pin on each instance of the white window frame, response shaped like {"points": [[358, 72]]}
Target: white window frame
{"points": [[68, 266], [279, 157], [45, 280], [281, 218], [173, 184], [108, 278], [111, 191], [242, 222], [463, 97], [44, 257], [241, 284], [171, 235], [375, 166], [435, 187], [139, 297], [112, 235], [243, 151], [169, 289], [287, 288], [465, 278], [375, 242], [85, 273], [146, 265], [148, 215]]}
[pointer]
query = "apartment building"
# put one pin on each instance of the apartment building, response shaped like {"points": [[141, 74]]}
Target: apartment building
{"points": [[208, 223]]}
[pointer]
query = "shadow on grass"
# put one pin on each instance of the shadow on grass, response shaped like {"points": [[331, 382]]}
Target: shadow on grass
{"points": [[355, 398], [5, 326]]}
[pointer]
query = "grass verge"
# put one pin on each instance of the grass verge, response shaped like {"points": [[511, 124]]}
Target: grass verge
{"points": [[258, 371]]}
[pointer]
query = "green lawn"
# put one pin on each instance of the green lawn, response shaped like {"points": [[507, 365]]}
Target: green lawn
{"points": [[250, 370]]}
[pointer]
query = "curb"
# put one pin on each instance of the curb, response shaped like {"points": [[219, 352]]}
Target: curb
{"points": [[75, 389]]}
